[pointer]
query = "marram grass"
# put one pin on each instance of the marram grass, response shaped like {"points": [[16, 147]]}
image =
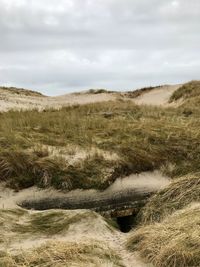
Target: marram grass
{"points": [[174, 242]]}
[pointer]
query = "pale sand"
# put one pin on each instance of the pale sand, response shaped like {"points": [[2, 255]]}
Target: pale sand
{"points": [[158, 96]]}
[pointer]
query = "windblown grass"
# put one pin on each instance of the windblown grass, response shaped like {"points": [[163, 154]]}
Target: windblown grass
{"points": [[144, 138], [177, 195], [50, 223], [18, 226], [174, 242], [63, 254]]}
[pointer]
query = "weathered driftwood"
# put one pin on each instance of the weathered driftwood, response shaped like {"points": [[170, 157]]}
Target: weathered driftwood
{"points": [[106, 204]]}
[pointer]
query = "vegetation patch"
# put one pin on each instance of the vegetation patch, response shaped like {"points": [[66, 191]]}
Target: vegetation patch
{"points": [[63, 254], [19, 91], [51, 222], [143, 138], [188, 90], [174, 242], [139, 92], [177, 195]]}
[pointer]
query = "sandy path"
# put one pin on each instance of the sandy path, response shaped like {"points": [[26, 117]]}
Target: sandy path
{"points": [[158, 97]]}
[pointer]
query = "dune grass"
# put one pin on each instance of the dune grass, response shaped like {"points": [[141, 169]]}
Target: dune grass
{"points": [[50, 223], [19, 227], [63, 254], [188, 96], [144, 138], [175, 196], [186, 91], [19, 91], [174, 242]]}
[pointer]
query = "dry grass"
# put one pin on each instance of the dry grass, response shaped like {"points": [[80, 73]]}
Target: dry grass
{"points": [[174, 242], [63, 254], [189, 97], [188, 90], [19, 91], [139, 92], [20, 228], [144, 138], [177, 195]]}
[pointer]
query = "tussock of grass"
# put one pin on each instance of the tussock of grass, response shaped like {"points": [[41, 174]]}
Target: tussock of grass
{"points": [[188, 90], [63, 254], [21, 169], [177, 195], [174, 242], [52, 222], [24, 169]]}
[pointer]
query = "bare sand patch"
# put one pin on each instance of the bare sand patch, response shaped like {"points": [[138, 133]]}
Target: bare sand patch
{"points": [[158, 96]]}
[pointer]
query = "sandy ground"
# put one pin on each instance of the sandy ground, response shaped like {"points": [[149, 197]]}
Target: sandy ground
{"points": [[144, 182], [157, 96], [21, 102], [86, 229]]}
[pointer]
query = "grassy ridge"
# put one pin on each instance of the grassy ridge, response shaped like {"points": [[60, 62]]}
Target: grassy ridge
{"points": [[188, 90], [19, 91], [144, 138]]}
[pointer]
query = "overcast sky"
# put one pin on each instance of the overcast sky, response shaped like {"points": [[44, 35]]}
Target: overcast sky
{"points": [[59, 46]]}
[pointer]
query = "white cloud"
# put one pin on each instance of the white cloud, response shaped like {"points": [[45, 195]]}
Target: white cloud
{"points": [[58, 46], [175, 3]]}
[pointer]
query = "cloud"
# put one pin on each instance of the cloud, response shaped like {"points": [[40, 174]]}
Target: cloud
{"points": [[59, 46]]}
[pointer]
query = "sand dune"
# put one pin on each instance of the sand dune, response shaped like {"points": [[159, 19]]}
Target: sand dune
{"points": [[20, 101], [158, 96]]}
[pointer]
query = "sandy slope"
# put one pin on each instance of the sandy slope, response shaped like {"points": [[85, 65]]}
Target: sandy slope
{"points": [[18, 102], [157, 96]]}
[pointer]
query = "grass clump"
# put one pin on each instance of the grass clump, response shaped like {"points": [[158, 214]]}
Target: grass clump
{"points": [[63, 254], [21, 169], [50, 223], [139, 92], [175, 196], [99, 91], [186, 91], [174, 242], [19, 91]]}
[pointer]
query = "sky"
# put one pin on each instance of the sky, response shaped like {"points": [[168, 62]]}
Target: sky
{"points": [[60, 46]]}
